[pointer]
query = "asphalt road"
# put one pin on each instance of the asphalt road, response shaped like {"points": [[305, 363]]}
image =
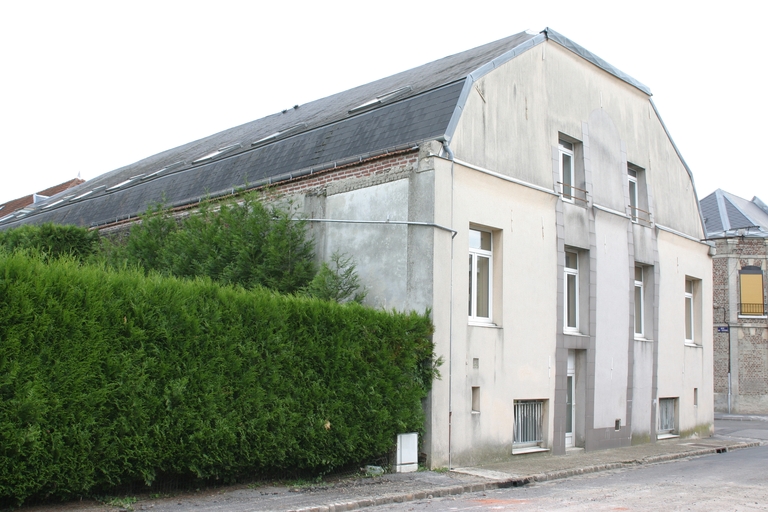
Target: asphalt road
{"points": [[734, 481]]}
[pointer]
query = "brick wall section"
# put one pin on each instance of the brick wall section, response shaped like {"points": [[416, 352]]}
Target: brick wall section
{"points": [[750, 335], [753, 362], [371, 168], [377, 170]]}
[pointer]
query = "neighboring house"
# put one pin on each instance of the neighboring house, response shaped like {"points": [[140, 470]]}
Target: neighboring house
{"points": [[525, 192], [739, 229], [28, 203]]}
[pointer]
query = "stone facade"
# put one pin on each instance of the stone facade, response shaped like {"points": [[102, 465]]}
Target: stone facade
{"points": [[740, 342]]}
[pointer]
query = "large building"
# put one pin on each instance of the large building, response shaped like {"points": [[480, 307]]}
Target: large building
{"points": [[739, 228], [527, 193]]}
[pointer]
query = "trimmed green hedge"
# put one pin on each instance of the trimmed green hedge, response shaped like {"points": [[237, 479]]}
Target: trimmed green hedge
{"points": [[108, 378]]}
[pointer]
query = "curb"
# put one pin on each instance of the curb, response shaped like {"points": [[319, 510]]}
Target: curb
{"points": [[441, 492]]}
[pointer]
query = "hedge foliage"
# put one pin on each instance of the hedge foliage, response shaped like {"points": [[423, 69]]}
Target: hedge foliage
{"points": [[52, 240], [109, 378], [245, 242]]}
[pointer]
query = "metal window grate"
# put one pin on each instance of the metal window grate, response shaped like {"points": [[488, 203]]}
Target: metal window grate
{"points": [[666, 414], [529, 416]]}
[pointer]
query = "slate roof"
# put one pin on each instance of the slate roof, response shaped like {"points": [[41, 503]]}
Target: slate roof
{"points": [[727, 215], [424, 103]]}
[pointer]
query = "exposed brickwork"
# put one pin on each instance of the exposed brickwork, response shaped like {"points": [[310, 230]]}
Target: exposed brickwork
{"points": [[721, 362], [753, 362], [369, 172], [750, 335], [319, 181]]}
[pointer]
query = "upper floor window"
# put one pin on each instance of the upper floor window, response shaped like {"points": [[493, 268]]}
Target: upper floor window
{"points": [[751, 299], [480, 279], [571, 315], [567, 174], [638, 195]]}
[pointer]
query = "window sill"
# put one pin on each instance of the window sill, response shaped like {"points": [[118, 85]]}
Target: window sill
{"points": [[532, 449], [475, 412], [693, 345], [475, 323], [576, 333], [753, 317], [666, 436], [645, 340]]}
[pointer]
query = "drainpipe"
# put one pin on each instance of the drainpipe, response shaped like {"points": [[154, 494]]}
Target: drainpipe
{"points": [[450, 154]]}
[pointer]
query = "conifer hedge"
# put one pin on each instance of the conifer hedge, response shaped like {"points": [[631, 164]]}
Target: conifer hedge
{"points": [[112, 377]]}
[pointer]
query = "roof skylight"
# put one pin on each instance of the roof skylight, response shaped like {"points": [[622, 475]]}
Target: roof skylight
{"points": [[53, 204], [82, 195], [166, 168], [218, 152], [281, 134], [123, 183], [380, 100]]}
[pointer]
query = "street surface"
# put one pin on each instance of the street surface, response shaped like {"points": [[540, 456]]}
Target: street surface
{"points": [[735, 481]]}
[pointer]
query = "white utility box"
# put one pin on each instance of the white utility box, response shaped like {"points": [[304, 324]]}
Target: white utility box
{"points": [[407, 453]]}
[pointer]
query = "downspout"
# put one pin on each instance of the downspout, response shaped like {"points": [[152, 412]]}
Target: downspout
{"points": [[450, 154]]}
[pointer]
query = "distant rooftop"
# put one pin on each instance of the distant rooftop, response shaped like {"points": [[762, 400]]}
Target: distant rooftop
{"points": [[41, 197], [727, 215]]}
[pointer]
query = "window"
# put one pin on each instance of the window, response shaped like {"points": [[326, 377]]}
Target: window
{"points": [[632, 176], [695, 397], [480, 268], [567, 174], [639, 303], [689, 311], [638, 195], [529, 419], [667, 408], [751, 302], [571, 322], [475, 399], [692, 310]]}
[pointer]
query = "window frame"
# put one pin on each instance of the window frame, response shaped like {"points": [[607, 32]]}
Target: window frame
{"points": [[633, 193], [567, 149], [759, 310], [474, 254], [572, 272]]}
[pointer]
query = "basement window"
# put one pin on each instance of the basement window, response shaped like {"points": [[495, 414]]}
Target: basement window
{"points": [[217, 153], [380, 100]]}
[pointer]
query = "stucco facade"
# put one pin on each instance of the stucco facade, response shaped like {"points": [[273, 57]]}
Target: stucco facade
{"points": [[500, 175]]}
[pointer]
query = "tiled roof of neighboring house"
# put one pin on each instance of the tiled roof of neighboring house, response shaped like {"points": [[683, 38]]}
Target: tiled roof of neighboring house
{"points": [[727, 215], [394, 113], [19, 203]]}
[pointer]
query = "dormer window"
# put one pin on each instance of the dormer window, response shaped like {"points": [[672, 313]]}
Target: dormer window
{"points": [[217, 153], [380, 100]]}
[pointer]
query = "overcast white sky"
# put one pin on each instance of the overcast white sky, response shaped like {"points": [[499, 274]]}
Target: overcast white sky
{"points": [[87, 87]]}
